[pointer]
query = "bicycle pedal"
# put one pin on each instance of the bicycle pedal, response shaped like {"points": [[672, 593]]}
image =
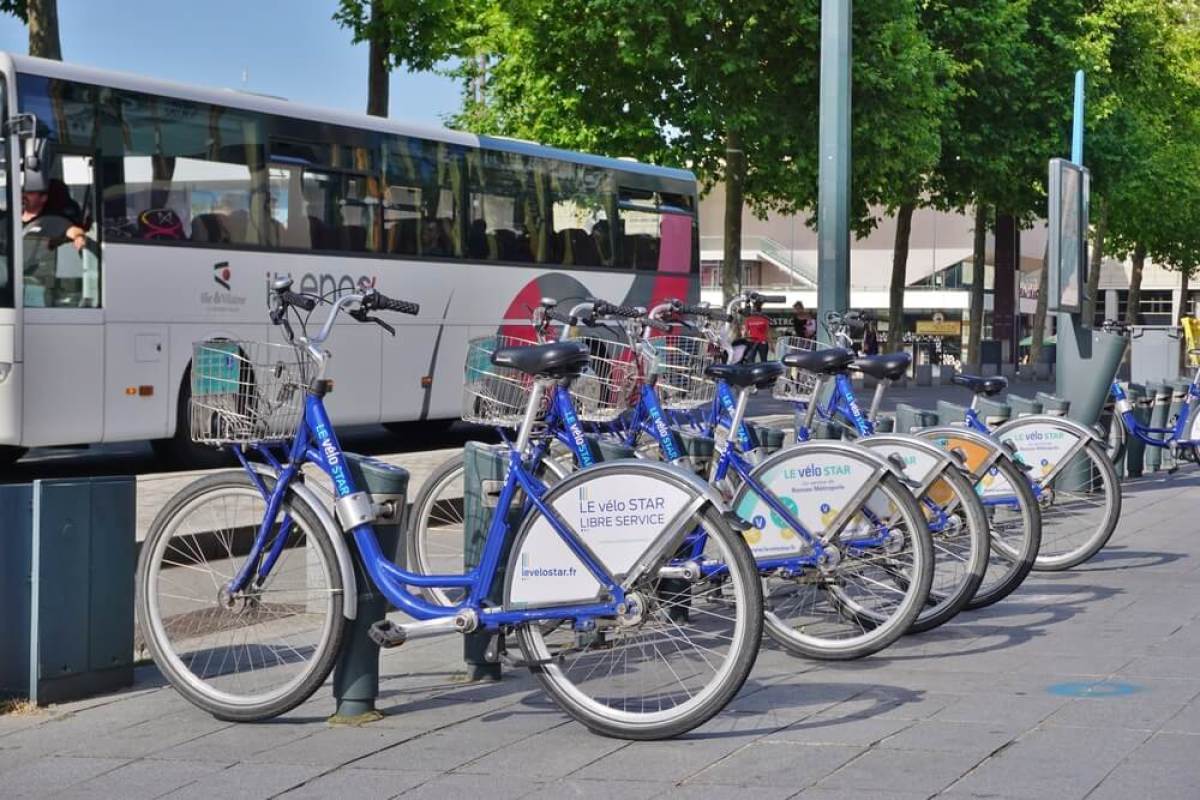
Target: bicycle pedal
{"points": [[387, 634]]}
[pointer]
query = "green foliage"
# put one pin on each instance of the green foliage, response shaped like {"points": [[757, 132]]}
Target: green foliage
{"points": [[419, 33], [18, 8]]}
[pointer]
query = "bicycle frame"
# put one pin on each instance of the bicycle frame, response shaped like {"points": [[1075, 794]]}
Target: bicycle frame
{"points": [[842, 402], [1170, 437], [316, 443]]}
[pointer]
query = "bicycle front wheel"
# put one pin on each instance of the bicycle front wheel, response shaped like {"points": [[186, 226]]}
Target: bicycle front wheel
{"points": [[256, 653], [677, 664]]}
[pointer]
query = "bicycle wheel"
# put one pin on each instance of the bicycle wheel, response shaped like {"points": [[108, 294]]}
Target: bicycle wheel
{"points": [[864, 596], [436, 535], [1015, 529], [958, 526], [1080, 509], [263, 651], [673, 668], [1115, 437]]}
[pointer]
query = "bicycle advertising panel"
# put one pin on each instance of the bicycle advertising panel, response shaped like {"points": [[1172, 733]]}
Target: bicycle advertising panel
{"points": [[977, 456], [1043, 447], [618, 517], [923, 465], [817, 489]]}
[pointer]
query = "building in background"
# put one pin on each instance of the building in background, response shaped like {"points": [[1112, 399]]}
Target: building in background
{"points": [[779, 254]]}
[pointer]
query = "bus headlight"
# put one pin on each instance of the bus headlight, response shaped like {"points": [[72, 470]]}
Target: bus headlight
{"points": [[5, 368]]}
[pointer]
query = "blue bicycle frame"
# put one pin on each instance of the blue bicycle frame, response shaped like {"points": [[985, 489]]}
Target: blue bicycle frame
{"points": [[1157, 437], [842, 402], [317, 443]]}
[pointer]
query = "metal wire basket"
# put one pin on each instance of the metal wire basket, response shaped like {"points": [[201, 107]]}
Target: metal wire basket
{"points": [[606, 388], [795, 384], [494, 395], [680, 362], [247, 392]]}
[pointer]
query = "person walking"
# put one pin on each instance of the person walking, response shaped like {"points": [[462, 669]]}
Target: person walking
{"points": [[757, 327], [803, 325]]}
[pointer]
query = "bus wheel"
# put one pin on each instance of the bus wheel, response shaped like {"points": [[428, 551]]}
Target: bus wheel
{"points": [[10, 455], [179, 449]]}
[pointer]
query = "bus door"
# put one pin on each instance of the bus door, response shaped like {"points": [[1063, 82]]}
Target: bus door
{"points": [[64, 364]]}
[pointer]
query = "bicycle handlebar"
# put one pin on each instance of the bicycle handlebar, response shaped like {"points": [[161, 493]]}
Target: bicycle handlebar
{"points": [[605, 309]]}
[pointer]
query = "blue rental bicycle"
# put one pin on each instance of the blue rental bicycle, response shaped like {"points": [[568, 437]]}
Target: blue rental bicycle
{"points": [[245, 581], [1180, 439], [843, 549], [1011, 532]]}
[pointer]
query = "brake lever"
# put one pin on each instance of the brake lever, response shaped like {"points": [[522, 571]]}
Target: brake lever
{"points": [[387, 327]]}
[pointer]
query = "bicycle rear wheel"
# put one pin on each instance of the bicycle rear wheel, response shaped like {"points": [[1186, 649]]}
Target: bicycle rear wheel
{"points": [[1015, 529], [866, 595], [257, 653], [1080, 509], [677, 665]]}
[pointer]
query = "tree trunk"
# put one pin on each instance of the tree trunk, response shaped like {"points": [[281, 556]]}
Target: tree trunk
{"points": [[975, 329], [1037, 333], [899, 278], [1095, 260], [43, 29], [377, 64], [735, 177], [1133, 307]]}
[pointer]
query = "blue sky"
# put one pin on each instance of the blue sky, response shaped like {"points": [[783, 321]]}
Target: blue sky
{"points": [[290, 48]]}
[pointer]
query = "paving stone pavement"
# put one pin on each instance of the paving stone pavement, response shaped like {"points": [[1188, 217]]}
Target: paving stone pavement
{"points": [[1083, 684]]}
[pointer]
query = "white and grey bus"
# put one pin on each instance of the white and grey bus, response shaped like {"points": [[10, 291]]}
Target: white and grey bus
{"points": [[193, 200]]}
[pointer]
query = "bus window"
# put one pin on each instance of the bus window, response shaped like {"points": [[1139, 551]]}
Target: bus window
{"points": [[61, 254], [656, 231], [581, 230], [420, 215], [322, 210], [505, 215]]}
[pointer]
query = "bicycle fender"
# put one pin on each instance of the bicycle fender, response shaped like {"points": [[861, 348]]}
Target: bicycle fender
{"points": [[624, 514], [334, 531], [1083, 431], [821, 483]]}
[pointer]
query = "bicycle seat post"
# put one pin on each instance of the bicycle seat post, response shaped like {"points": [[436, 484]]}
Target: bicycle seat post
{"points": [[536, 392]]}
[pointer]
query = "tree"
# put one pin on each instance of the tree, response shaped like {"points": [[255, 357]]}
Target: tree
{"points": [[416, 34], [41, 18], [724, 88]]}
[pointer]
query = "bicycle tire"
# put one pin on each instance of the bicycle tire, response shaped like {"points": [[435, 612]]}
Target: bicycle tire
{"points": [[1051, 556], [206, 624], [552, 670], [1015, 540]]}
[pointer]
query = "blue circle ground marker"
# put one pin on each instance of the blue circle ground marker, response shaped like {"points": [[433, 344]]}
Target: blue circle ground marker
{"points": [[1093, 689]]}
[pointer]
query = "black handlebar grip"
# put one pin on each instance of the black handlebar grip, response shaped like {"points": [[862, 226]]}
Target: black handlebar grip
{"points": [[608, 309], [402, 306], [769, 298], [559, 316], [302, 301]]}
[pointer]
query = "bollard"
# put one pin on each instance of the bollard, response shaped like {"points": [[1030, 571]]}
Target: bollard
{"points": [[1158, 419], [769, 439], [1023, 406], [356, 674], [1142, 398], [485, 469], [824, 429], [611, 450], [1053, 404], [992, 412], [951, 413], [923, 374], [910, 418], [1179, 393], [699, 450]]}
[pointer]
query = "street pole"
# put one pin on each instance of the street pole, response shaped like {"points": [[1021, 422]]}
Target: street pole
{"points": [[833, 190]]}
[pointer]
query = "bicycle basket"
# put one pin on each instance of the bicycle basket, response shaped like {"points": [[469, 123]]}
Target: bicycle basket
{"points": [[680, 363], [603, 391], [495, 395], [247, 392], [795, 384]]}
